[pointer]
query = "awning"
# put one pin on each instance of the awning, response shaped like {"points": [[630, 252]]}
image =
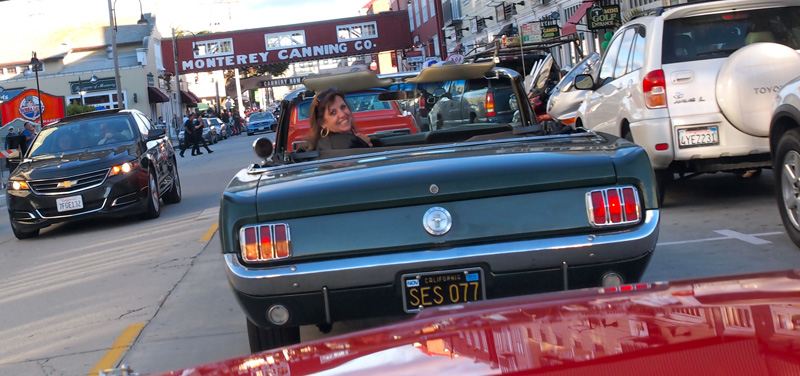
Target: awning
{"points": [[202, 107], [188, 98], [570, 27], [156, 95]]}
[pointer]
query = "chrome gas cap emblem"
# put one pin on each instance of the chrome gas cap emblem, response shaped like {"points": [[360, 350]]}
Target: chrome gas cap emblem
{"points": [[437, 221]]}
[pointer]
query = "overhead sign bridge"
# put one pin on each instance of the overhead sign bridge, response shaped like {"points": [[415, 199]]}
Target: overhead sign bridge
{"points": [[290, 43]]}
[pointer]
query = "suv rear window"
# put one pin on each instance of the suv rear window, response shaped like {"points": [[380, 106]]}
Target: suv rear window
{"points": [[719, 35]]}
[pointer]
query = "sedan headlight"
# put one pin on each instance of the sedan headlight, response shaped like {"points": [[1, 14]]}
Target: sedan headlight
{"points": [[19, 185], [123, 168]]}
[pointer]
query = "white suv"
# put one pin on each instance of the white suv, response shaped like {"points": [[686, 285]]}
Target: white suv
{"points": [[694, 84]]}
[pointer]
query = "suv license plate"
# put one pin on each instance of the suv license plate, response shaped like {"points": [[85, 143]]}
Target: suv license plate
{"points": [[693, 137], [69, 203], [433, 289]]}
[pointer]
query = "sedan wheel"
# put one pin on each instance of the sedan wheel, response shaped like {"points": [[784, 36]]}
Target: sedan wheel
{"points": [[153, 202], [174, 194], [787, 163]]}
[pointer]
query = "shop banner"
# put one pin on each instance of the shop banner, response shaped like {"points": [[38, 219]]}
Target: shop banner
{"points": [[25, 106]]}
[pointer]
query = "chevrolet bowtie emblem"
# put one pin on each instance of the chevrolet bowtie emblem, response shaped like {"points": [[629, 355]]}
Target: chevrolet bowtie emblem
{"points": [[67, 184]]}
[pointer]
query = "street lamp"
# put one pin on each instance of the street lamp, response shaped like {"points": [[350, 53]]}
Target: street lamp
{"points": [[196, 51], [112, 18], [36, 66]]}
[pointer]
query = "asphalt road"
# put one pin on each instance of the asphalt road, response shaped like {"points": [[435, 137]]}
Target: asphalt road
{"points": [[153, 293]]}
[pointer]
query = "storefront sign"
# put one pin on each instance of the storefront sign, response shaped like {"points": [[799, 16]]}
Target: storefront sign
{"points": [[531, 32], [25, 106], [607, 17], [282, 81], [550, 31], [103, 84]]}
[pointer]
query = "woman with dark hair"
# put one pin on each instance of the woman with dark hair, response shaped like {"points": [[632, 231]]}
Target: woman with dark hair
{"points": [[332, 124]]}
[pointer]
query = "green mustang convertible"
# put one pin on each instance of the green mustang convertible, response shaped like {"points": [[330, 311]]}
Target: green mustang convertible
{"points": [[403, 222]]}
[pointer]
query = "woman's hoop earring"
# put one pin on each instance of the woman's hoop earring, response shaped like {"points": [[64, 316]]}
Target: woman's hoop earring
{"points": [[325, 132]]}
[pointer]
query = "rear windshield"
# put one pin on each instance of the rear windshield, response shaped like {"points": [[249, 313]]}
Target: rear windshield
{"points": [[357, 102], [719, 35]]}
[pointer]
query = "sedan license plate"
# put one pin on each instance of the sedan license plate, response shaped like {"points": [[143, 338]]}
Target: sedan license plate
{"points": [[693, 137], [432, 289], [69, 203]]}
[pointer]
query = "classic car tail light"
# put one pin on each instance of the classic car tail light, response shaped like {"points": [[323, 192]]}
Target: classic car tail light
{"points": [[613, 206], [490, 104], [654, 86], [261, 243]]}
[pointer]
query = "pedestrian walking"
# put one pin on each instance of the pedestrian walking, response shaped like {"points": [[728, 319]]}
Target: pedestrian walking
{"points": [[11, 133], [188, 134], [198, 138]]}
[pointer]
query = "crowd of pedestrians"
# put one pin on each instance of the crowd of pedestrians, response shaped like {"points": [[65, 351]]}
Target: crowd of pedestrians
{"points": [[193, 130]]}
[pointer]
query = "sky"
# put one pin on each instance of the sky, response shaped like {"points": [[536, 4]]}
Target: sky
{"points": [[192, 15]]}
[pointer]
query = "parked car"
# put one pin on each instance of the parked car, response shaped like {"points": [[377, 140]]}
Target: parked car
{"points": [[540, 84], [729, 325], [475, 100], [102, 163], [450, 216], [564, 99], [372, 116], [217, 126], [693, 84], [260, 122], [784, 139]]}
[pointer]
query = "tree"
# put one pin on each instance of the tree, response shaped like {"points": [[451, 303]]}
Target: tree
{"points": [[76, 108]]}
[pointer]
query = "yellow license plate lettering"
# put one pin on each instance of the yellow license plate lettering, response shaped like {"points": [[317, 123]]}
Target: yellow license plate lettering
{"points": [[424, 295], [454, 297], [413, 293], [439, 299]]}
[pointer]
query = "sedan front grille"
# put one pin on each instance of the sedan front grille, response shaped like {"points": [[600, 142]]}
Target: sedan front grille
{"points": [[68, 184]]}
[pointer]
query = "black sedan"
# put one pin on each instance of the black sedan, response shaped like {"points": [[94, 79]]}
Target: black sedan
{"points": [[103, 163]]}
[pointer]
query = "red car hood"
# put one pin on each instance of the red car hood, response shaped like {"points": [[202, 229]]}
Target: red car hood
{"points": [[739, 325]]}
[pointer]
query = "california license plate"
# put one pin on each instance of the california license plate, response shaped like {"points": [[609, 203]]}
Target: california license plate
{"points": [[69, 203], [702, 136], [421, 290]]}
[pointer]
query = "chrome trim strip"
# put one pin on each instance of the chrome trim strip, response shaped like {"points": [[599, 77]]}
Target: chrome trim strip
{"points": [[538, 254], [67, 178], [74, 214], [327, 305]]}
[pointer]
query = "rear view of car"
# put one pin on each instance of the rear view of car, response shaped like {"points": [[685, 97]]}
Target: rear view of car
{"points": [[694, 84], [92, 165]]}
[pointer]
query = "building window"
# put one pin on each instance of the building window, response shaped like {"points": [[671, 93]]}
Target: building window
{"points": [[424, 10], [432, 8], [285, 39], [410, 17], [365, 30], [499, 15], [416, 12], [218, 47]]}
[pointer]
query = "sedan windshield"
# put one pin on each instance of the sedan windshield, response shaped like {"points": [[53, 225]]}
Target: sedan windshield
{"points": [[59, 139], [261, 116]]}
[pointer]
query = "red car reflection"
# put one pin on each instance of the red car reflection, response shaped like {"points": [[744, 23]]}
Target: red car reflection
{"points": [[741, 325]]}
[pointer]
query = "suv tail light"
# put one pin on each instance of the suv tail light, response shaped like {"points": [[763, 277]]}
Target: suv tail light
{"points": [[422, 99], [655, 89], [265, 242], [489, 104], [613, 206]]}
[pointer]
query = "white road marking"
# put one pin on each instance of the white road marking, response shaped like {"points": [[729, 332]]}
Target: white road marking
{"points": [[730, 234]]}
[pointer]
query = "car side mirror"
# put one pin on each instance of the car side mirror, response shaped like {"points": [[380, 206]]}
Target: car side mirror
{"points": [[584, 82], [263, 147], [155, 134]]}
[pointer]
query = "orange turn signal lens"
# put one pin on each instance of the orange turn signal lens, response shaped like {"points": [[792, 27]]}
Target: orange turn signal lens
{"points": [[19, 185], [123, 168]]}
